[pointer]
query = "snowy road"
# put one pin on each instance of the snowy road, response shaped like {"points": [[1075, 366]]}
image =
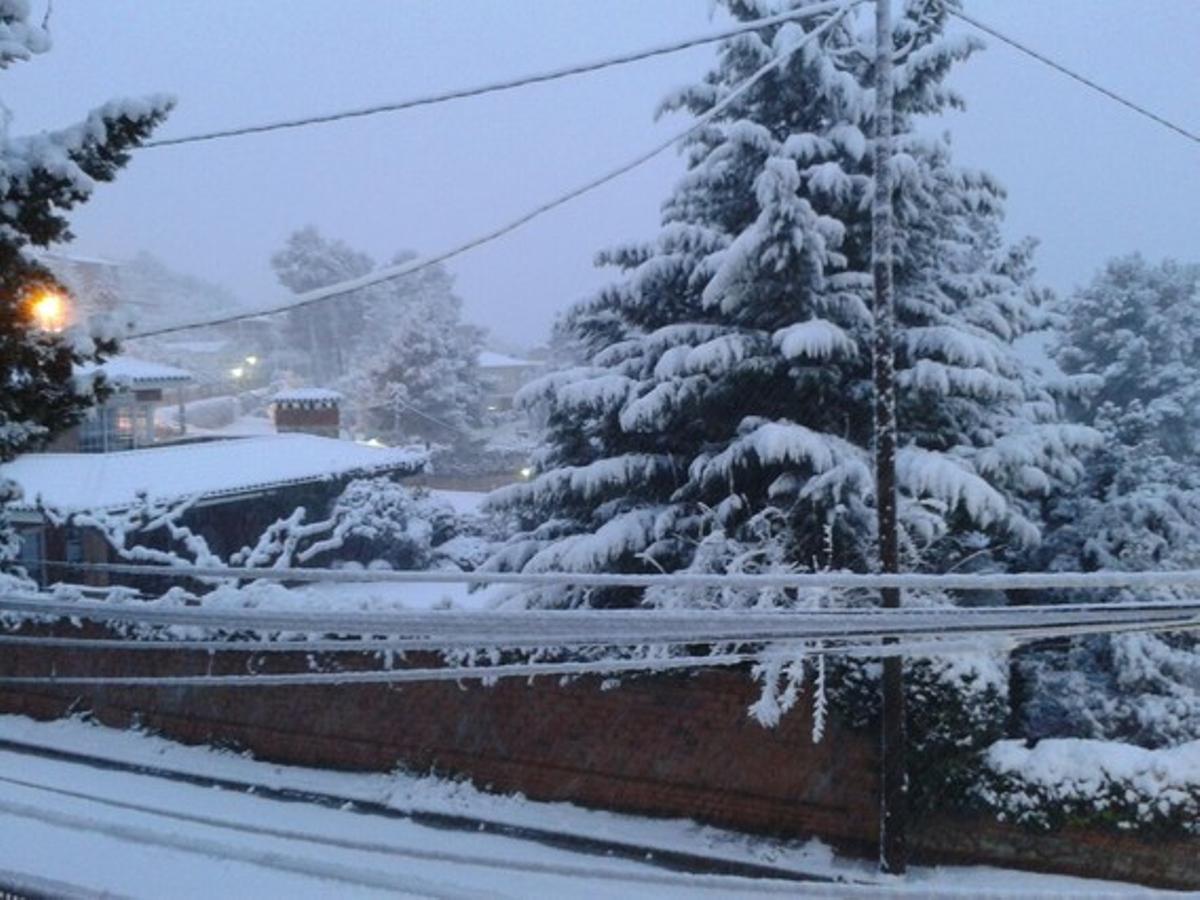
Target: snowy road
{"points": [[87, 811], [137, 835]]}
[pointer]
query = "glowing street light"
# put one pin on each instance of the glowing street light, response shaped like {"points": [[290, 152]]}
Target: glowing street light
{"points": [[252, 360], [49, 310], [237, 372]]}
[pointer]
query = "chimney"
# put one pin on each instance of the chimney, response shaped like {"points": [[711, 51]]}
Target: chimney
{"points": [[308, 411]]}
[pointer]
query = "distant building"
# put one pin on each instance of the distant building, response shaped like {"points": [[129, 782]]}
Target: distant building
{"points": [[308, 411], [503, 376], [239, 485], [126, 420], [94, 283]]}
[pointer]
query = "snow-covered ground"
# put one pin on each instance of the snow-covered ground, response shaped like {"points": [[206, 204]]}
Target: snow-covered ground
{"points": [[145, 836]]}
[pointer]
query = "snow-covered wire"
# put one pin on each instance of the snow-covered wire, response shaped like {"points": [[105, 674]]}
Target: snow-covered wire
{"points": [[918, 641], [607, 62], [1001, 581], [937, 636], [390, 273], [523, 631], [659, 664], [1082, 79]]}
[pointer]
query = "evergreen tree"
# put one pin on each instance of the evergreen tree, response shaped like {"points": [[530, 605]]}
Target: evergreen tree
{"points": [[723, 419], [42, 178], [418, 376], [321, 339], [1133, 334]]}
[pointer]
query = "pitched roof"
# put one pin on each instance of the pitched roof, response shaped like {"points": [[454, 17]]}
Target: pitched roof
{"points": [[221, 468], [138, 372], [307, 396]]}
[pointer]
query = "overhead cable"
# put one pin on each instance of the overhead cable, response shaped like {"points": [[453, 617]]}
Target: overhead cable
{"points": [[950, 581], [1076, 76], [607, 62], [391, 273]]}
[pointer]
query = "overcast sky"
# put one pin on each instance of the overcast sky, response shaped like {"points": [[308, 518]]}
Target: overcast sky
{"points": [[1087, 177]]}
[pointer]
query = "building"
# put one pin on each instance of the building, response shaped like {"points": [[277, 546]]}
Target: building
{"points": [[503, 376], [126, 419], [309, 410], [238, 486]]}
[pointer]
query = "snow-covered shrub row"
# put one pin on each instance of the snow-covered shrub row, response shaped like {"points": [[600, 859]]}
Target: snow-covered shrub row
{"points": [[1073, 781]]}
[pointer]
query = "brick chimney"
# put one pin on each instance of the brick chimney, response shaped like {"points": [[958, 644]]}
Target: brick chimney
{"points": [[308, 411]]}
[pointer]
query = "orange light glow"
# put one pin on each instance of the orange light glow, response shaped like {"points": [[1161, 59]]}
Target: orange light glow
{"points": [[49, 311]]}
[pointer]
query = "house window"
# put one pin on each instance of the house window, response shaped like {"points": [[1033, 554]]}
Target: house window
{"points": [[32, 553], [111, 426]]}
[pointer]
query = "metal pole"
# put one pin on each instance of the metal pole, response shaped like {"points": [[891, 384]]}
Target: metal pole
{"points": [[893, 819]]}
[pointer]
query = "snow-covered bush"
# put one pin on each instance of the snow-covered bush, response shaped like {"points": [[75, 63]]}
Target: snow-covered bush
{"points": [[1093, 783], [378, 520], [373, 521], [956, 707]]}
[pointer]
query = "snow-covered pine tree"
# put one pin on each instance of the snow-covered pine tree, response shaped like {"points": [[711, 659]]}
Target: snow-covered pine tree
{"points": [[723, 419], [418, 375], [42, 178], [321, 339], [1134, 332]]}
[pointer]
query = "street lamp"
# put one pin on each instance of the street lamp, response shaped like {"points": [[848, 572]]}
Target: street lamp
{"points": [[237, 372], [49, 310]]}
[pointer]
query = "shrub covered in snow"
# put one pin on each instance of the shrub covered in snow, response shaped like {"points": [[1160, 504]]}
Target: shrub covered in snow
{"points": [[378, 520], [956, 708], [1093, 783]]}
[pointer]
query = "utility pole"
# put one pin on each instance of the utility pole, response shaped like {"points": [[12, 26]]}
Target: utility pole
{"points": [[893, 819]]}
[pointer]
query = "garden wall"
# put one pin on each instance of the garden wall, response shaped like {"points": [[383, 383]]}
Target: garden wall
{"points": [[666, 745]]}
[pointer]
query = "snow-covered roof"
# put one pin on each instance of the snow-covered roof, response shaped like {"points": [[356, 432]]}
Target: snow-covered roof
{"points": [[307, 396], [489, 359], [208, 346], [78, 481], [138, 372]]}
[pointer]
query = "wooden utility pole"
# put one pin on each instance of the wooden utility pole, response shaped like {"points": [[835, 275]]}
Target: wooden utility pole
{"points": [[893, 819]]}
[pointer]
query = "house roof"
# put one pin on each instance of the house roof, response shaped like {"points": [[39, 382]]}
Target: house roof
{"points": [[210, 469], [489, 359], [137, 372]]}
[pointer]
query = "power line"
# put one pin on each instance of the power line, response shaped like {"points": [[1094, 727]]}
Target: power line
{"points": [[911, 581], [1082, 79], [508, 84], [544, 628], [392, 272]]}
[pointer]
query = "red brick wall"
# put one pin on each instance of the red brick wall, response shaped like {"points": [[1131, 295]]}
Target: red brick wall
{"points": [[668, 745], [678, 745]]}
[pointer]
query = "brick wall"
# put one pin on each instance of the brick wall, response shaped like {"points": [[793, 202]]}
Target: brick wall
{"points": [[667, 745], [678, 745]]}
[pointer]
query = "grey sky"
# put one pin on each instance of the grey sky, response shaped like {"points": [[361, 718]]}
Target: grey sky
{"points": [[1088, 178]]}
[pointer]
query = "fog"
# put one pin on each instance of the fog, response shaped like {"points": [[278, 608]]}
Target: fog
{"points": [[1087, 177]]}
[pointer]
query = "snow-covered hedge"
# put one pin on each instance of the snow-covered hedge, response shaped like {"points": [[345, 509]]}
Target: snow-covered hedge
{"points": [[956, 707], [1087, 782]]}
